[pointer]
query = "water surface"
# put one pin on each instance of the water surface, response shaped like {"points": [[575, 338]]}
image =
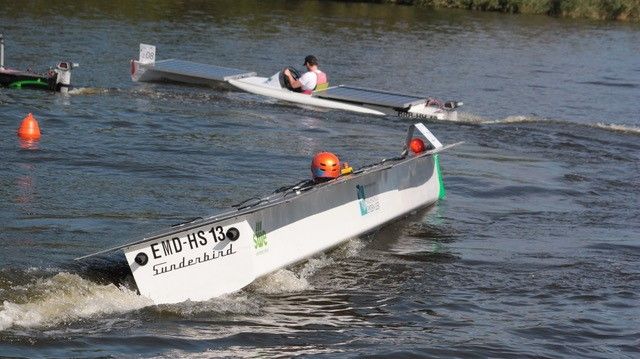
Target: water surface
{"points": [[534, 252]]}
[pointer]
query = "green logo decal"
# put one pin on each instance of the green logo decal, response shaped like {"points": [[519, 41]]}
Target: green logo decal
{"points": [[260, 236], [367, 203], [361, 200]]}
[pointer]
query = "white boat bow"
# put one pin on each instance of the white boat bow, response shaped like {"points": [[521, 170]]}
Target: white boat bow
{"points": [[221, 254]]}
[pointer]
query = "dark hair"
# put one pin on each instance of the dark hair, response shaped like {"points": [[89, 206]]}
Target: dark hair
{"points": [[311, 60]]}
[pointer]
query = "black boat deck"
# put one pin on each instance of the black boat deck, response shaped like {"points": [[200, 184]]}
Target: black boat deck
{"points": [[23, 79], [370, 96], [197, 70]]}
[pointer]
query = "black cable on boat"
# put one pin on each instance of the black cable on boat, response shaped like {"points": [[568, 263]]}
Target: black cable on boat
{"points": [[242, 204], [187, 221]]}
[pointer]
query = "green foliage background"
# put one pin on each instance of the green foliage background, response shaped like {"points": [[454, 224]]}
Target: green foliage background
{"points": [[592, 9]]}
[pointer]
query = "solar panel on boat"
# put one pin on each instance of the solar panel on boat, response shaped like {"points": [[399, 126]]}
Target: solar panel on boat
{"points": [[370, 96], [194, 69]]}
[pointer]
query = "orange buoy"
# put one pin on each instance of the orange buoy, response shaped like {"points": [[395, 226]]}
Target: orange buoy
{"points": [[416, 145], [29, 129]]}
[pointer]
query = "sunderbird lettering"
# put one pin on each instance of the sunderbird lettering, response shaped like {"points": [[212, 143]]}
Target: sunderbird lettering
{"points": [[164, 267]]}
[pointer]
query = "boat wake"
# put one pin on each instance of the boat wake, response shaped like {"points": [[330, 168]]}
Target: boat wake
{"points": [[90, 91], [62, 298], [521, 119], [297, 279], [618, 128], [45, 301]]}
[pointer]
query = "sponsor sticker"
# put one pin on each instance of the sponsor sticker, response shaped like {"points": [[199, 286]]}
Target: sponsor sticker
{"points": [[260, 238], [366, 204]]}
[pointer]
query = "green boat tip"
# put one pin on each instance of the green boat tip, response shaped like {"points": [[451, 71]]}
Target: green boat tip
{"points": [[19, 84], [443, 192]]}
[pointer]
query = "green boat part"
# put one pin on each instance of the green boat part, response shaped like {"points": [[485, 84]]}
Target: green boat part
{"points": [[443, 192], [19, 84]]}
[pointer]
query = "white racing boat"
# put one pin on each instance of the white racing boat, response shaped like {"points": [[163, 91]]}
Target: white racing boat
{"points": [[342, 97], [223, 253]]}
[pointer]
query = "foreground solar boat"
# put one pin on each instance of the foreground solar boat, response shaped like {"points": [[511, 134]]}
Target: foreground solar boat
{"points": [[58, 79], [221, 254], [342, 97]]}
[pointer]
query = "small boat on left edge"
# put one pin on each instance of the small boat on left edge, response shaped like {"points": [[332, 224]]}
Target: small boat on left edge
{"points": [[56, 79], [221, 254]]}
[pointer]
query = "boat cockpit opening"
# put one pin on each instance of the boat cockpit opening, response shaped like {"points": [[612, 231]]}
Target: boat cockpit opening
{"points": [[284, 80]]}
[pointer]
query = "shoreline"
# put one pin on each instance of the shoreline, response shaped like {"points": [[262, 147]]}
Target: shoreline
{"points": [[616, 10]]}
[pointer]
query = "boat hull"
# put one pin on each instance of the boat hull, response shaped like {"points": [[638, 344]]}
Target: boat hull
{"points": [[20, 79], [270, 88], [147, 72], [202, 260], [56, 79], [258, 86]]}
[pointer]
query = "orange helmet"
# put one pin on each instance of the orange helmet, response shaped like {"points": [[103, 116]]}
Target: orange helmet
{"points": [[417, 145], [325, 165]]}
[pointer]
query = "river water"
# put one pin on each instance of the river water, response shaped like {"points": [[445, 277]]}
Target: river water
{"points": [[535, 251]]}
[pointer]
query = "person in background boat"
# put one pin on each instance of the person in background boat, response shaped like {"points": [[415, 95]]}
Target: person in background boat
{"points": [[310, 81]]}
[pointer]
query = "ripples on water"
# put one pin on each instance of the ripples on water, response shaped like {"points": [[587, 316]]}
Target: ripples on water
{"points": [[534, 252]]}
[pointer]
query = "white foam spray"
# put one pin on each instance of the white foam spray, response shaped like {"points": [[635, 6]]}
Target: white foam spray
{"points": [[618, 128], [67, 297], [88, 91], [475, 119], [298, 278]]}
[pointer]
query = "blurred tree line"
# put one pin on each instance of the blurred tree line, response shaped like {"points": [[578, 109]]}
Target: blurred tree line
{"points": [[628, 10]]}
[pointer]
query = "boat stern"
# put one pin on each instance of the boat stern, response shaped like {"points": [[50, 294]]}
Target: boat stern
{"points": [[146, 56], [63, 75], [197, 263], [436, 109]]}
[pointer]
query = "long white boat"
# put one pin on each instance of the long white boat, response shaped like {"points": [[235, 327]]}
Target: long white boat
{"points": [[342, 97], [223, 253]]}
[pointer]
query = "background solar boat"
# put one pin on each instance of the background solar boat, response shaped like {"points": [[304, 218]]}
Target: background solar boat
{"points": [[342, 97]]}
